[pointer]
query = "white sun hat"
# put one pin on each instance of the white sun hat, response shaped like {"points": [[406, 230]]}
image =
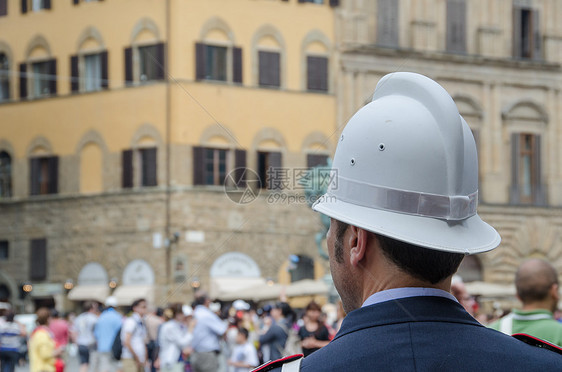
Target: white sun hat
{"points": [[406, 167]]}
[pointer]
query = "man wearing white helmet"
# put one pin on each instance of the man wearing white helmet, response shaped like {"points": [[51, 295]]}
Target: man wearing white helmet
{"points": [[402, 203]]}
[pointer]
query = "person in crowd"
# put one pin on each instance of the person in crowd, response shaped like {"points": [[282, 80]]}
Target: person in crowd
{"points": [[313, 334], [83, 333], [208, 331], [133, 338], [458, 289], [59, 328], [107, 326], [403, 208], [42, 349], [340, 315], [11, 333], [276, 335], [175, 335], [536, 282], [153, 320], [244, 356]]}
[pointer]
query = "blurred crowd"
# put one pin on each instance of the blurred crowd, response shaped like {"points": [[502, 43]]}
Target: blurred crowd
{"points": [[202, 336], [209, 336]]}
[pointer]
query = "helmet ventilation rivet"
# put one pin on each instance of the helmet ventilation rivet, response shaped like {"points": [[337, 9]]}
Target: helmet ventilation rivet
{"points": [[382, 146], [352, 161], [341, 139]]}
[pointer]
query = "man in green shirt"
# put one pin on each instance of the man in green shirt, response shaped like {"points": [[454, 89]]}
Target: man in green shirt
{"points": [[536, 282]]}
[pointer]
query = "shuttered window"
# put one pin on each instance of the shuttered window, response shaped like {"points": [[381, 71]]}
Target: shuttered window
{"points": [[271, 174], [38, 259], [5, 175], [317, 73], [269, 69], [387, 23], [3, 7], [34, 5], [212, 63], [4, 250], [456, 26], [43, 175], [4, 77], [142, 163], [527, 42], [526, 179], [95, 72], [143, 63], [212, 165], [148, 167], [44, 78], [316, 160]]}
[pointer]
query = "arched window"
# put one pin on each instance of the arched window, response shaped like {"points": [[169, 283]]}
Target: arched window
{"points": [[316, 53], [145, 58], [4, 77], [88, 68], [38, 75], [5, 175], [301, 267], [216, 57]]}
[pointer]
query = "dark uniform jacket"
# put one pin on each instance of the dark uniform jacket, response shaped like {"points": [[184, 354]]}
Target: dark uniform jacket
{"points": [[424, 334]]}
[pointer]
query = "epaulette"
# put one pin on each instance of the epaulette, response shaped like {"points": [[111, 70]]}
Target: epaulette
{"points": [[279, 363], [528, 339]]}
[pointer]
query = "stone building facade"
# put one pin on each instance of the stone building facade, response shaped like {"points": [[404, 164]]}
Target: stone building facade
{"points": [[500, 60]]}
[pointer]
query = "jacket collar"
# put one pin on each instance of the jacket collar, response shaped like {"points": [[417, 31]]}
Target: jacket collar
{"points": [[406, 310]]}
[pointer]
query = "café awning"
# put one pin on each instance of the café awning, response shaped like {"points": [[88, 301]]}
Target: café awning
{"points": [[126, 294], [89, 292]]}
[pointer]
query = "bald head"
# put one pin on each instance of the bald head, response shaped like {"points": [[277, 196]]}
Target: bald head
{"points": [[534, 279]]}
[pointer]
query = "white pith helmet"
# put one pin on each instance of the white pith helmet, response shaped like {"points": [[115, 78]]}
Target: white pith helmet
{"points": [[406, 167]]}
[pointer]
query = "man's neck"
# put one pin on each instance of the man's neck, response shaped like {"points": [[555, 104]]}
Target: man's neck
{"points": [[537, 306]]}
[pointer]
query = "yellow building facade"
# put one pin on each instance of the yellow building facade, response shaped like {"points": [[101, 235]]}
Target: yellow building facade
{"points": [[119, 121]]}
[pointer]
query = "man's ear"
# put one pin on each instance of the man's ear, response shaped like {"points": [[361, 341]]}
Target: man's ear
{"points": [[554, 292], [358, 245]]}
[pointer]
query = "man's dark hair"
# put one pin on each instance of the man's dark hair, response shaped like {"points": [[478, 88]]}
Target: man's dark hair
{"points": [[200, 298], [88, 305], [422, 263], [137, 302], [244, 331]]}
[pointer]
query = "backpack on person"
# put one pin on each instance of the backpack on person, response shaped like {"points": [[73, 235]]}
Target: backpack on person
{"points": [[117, 346]]}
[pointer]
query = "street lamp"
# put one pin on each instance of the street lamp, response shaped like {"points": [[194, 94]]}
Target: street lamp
{"points": [[68, 285], [195, 283], [113, 283]]}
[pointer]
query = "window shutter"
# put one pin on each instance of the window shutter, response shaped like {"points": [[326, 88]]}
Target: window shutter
{"points": [[128, 66], [237, 65], [537, 39], [23, 80], [24, 6], [34, 170], [104, 70], [514, 190], [269, 68], [456, 26], [38, 259], [53, 76], [127, 165], [53, 166], [274, 163], [161, 62], [200, 61], [75, 2], [74, 75], [47, 4], [316, 160], [516, 32], [317, 73], [240, 167], [539, 190], [387, 23], [198, 165], [3, 7], [149, 166], [334, 3]]}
